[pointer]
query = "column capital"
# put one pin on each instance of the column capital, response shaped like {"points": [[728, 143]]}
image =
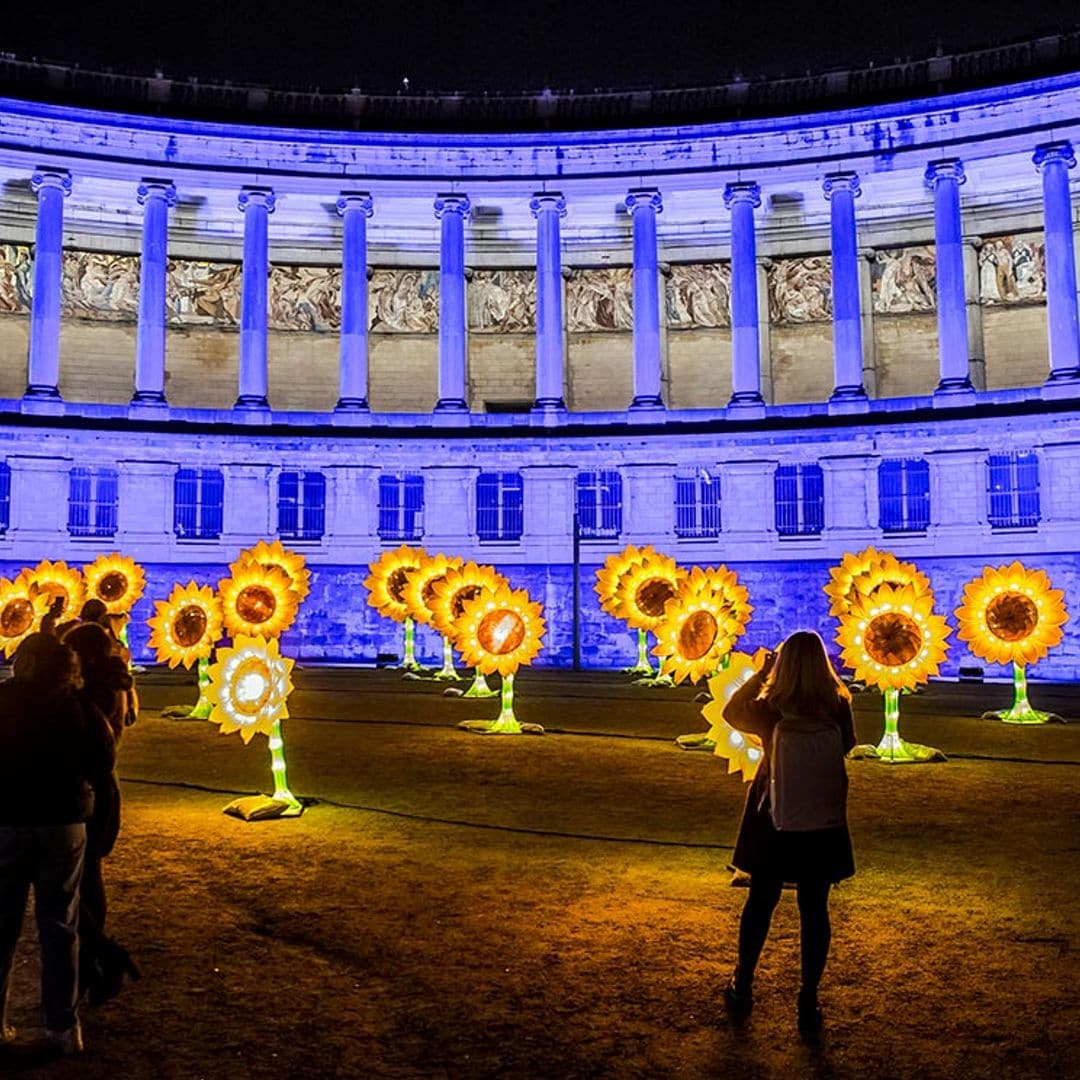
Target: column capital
{"points": [[972, 241], [452, 202], [1054, 151], [841, 181], [51, 178], [149, 188], [256, 196], [948, 169], [742, 191], [548, 201], [355, 200], [650, 197]]}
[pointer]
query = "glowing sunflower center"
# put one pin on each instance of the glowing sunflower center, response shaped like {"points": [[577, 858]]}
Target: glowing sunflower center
{"points": [[256, 603], [251, 687], [893, 639], [112, 586], [396, 582], [1012, 616], [16, 618], [427, 593], [652, 595], [501, 632], [462, 597], [189, 625], [697, 635]]}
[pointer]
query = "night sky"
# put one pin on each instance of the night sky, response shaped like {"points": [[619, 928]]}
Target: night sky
{"points": [[470, 45]]}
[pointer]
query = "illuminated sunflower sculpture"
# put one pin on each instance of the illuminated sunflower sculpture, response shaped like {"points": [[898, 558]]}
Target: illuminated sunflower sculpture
{"points": [[274, 555], [249, 689], [643, 592], [698, 629], [861, 574], [894, 641], [499, 631], [743, 752], [386, 592], [57, 579], [1012, 615], [447, 604], [184, 630], [419, 596], [22, 607], [116, 580], [606, 588], [257, 600]]}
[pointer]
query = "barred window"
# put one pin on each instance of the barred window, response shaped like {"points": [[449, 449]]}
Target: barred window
{"points": [[198, 496], [500, 506], [1013, 490], [697, 504], [904, 495], [401, 506], [301, 505], [799, 499], [93, 500], [599, 503], [5, 497]]}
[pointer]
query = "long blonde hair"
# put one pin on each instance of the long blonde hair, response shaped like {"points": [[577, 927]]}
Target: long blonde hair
{"points": [[802, 681]]}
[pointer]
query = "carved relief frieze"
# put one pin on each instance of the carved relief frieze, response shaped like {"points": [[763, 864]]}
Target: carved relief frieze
{"points": [[305, 298], [203, 293], [1012, 269], [800, 290], [502, 301], [100, 285], [16, 276], [904, 280], [404, 301], [698, 295], [598, 300]]}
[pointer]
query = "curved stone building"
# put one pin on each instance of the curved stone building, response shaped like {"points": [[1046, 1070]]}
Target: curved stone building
{"points": [[759, 341]]}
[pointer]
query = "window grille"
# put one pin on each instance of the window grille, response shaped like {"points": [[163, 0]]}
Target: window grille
{"points": [[599, 503], [93, 500], [799, 500], [301, 505], [1013, 490], [500, 506], [904, 495], [697, 504], [198, 498], [401, 506]]}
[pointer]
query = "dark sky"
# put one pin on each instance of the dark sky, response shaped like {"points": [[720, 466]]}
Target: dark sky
{"points": [[517, 44]]}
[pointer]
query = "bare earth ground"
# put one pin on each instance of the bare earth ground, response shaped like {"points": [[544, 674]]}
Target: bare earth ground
{"points": [[459, 906]]}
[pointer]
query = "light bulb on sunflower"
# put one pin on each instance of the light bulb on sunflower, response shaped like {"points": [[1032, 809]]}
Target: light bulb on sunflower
{"points": [[184, 630], [274, 555], [743, 752], [893, 640], [386, 593], [419, 596], [606, 588], [860, 574], [57, 580], [249, 687], [643, 592], [256, 600], [499, 631], [1011, 614], [22, 607], [447, 604]]}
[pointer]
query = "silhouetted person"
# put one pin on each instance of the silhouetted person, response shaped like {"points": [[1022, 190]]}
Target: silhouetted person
{"points": [[107, 688], [802, 714], [94, 611], [49, 747]]}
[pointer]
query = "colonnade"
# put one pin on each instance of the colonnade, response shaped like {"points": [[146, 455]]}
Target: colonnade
{"points": [[741, 198]]}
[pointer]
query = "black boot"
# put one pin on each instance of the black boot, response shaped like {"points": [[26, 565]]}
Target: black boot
{"points": [[810, 1018], [738, 996]]}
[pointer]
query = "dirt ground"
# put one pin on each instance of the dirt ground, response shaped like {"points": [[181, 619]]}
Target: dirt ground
{"points": [[559, 906]]}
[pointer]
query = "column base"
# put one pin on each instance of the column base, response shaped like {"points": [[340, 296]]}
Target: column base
{"points": [[547, 412], [1063, 383], [41, 392], [252, 401], [451, 405], [647, 401], [954, 392], [746, 399], [849, 399], [545, 404], [148, 397], [352, 404]]}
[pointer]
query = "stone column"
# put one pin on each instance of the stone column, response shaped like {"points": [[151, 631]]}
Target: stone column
{"points": [[155, 196], [944, 179], [741, 198], [451, 210], [644, 204], [257, 204], [841, 190], [548, 207], [867, 258], [355, 207], [1054, 160], [43, 358], [976, 342]]}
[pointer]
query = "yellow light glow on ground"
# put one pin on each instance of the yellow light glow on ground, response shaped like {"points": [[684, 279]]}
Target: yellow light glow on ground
{"points": [[186, 627], [58, 579], [388, 578], [500, 630], [257, 601], [249, 687], [1011, 615], [273, 554], [116, 580]]}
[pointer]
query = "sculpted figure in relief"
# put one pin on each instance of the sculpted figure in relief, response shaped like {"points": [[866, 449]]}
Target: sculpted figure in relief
{"points": [[502, 301], [1012, 268], [800, 290], [16, 275], [99, 285], [698, 295], [305, 298], [600, 299], [404, 301], [203, 294], [904, 280]]}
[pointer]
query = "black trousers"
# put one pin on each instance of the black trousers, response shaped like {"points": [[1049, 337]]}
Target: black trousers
{"points": [[815, 931]]}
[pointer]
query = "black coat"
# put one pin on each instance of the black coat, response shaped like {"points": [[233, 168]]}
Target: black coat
{"points": [[760, 849]]}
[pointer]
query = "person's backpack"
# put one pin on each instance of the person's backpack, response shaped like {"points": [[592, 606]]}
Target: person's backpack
{"points": [[807, 779]]}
